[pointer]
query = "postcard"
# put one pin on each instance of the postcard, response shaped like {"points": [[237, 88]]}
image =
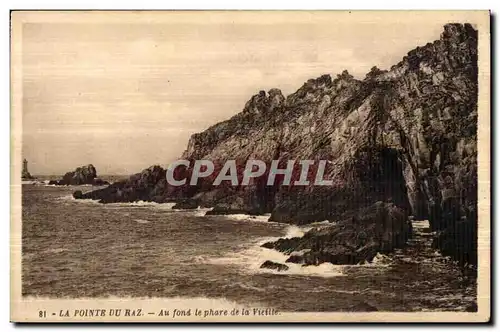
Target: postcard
{"points": [[250, 166]]}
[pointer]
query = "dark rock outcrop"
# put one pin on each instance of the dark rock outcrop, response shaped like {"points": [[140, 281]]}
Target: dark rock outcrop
{"points": [[187, 204], [296, 259], [405, 136], [145, 186], [379, 228], [81, 175], [459, 241], [274, 266]]}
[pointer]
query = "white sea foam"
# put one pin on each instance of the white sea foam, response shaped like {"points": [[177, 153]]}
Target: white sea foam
{"points": [[321, 223], [66, 198], [295, 231], [200, 212], [142, 221], [247, 217], [251, 258], [72, 199], [162, 206], [299, 231], [379, 260], [421, 224]]}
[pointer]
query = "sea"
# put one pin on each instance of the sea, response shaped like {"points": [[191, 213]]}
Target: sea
{"points": [[84, 249]]}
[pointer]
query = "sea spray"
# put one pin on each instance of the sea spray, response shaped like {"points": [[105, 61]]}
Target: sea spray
{"points": [[252, 255]]}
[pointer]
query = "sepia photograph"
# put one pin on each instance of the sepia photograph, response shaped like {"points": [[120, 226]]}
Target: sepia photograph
{"points": [[250, 166]]}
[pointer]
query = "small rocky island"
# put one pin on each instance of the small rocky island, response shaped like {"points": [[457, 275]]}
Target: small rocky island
{"points": [[81, 175]]}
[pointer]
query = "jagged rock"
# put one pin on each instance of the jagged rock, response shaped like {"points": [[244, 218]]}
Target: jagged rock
{"points": [[140, 186], [381, 228], [274, 266], [296, 259], [78, 194], [187, 204], [81, 175]]}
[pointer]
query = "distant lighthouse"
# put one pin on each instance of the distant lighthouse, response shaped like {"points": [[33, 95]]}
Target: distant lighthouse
{"points": [[26, 174]]}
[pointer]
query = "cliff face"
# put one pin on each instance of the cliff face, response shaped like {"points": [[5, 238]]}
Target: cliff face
{"points": [[410, 130], [405, 136]]}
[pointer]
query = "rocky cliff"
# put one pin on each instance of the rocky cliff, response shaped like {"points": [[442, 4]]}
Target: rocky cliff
{"points": [[403, 137]]}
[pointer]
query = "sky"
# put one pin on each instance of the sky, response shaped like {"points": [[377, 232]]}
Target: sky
{"points": [[126, 91]]}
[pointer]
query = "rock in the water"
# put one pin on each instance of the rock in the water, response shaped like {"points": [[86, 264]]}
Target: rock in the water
{"points": [[145, 186], [188, 204], [296, 259], [380, 228], [274, 266], [77, 194], [459, 241], [81, 175]]}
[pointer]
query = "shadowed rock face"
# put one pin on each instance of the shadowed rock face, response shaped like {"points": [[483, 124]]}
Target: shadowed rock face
{"points": [[81, 175], [379, 228], [404, 136], [139, 187], [274, 266]]}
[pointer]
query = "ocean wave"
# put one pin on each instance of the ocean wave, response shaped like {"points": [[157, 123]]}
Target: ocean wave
{"points": [[321, 223], [294, 231], [380, 260], [198, 212], [248, 217], [299, 231], [72, 199], [250, 259], [163, 206]]}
